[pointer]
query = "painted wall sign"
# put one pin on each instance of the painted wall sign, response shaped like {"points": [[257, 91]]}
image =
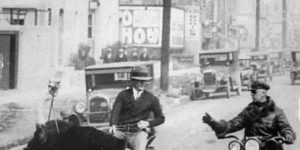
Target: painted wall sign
{"points": [[142, 26]]}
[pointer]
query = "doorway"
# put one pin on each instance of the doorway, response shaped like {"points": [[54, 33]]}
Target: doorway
{"points": [[8, 60]]}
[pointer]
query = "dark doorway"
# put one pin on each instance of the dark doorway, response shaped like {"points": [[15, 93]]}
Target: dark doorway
{"points": [[8, 59]]}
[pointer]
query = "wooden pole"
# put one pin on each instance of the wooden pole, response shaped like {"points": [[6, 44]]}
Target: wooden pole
{"points": [[257, 18], [164, 82], [284, 25]]}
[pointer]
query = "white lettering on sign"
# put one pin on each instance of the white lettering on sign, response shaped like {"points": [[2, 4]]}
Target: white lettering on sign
{"points": [[127, 18], [127, 35], [152, 35], [135, 33], [139, 36]]}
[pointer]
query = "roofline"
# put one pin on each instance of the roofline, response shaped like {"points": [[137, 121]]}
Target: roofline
{"points": [[216, 51], [119, 65]]}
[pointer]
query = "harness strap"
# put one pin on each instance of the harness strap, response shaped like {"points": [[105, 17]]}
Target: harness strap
{"points": [[56, 124]]}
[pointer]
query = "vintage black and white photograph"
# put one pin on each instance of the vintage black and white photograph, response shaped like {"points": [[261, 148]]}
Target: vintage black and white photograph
{"points": [[149, 74]]}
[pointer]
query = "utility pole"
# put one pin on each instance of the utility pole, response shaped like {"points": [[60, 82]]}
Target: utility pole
{"points": [[165, 46], [226, 18], [257, 19], [284, 24], [226, 24]]}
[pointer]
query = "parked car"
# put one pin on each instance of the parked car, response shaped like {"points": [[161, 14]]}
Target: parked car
{"points": [[247, 71], [295, 70], [103, 83], [264, 69], [220, 73], [276, 59]]}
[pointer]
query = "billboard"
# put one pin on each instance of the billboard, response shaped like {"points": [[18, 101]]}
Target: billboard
{"points": [[142, 26], [192, 19]]}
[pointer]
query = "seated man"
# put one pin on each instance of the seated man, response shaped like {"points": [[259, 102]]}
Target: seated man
{"points": [[132, 109], [260, 118]]}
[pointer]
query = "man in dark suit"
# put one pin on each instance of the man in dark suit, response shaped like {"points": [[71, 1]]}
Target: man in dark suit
{"points": [[132, 109]]}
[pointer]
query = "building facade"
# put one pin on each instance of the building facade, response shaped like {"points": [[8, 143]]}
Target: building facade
{"points": [[38, 37]]}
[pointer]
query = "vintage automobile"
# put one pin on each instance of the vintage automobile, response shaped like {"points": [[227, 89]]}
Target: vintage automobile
{"points": [[220, 73], [264, 70], [295, 70], [247, 71], [103, 83], [276, 59]]}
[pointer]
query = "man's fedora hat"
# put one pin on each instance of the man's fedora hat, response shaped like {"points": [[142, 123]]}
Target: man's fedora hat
{"points": [[140, 73]]}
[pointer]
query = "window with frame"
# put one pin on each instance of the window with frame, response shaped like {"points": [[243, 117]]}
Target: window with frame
{"points": [[20, 16]]}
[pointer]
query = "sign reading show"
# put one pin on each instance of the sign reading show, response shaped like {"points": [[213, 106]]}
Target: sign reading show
{"points": [[142, 26]]}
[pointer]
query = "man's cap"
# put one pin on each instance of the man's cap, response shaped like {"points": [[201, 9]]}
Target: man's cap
{"points": [[259, 85], [140, 73]]}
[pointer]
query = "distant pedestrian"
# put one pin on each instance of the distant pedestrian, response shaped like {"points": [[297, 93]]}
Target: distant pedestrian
{"points": [[145, 55], [108, 56], [134, 55], [121, 55], [83, 59]]}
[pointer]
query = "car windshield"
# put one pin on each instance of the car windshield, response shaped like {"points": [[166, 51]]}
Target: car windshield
{"points": [[108, 80], [214, 59]]}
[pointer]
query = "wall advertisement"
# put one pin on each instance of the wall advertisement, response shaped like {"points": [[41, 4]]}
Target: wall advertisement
{"points": [[142, 26], [192, 19]]}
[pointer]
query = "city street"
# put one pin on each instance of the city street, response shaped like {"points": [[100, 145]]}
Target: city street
{"points": [[184, 130]]}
